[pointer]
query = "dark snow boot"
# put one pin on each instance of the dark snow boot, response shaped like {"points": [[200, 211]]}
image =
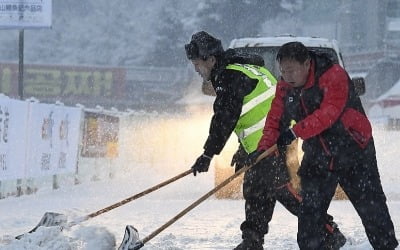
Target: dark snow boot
{"points": [[249, 245], [251, 241], [335, 239]]}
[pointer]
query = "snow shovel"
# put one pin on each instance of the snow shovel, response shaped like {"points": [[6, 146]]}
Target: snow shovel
{"points": [[131, 239], [50, 219]]}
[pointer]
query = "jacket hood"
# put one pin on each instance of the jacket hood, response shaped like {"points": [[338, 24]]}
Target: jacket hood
{"points": [[236, 56], [320, 62], [231, 56]]}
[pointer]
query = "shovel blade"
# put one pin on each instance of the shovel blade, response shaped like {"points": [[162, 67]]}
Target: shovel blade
{"points": [[131, 239], [49, 219]]}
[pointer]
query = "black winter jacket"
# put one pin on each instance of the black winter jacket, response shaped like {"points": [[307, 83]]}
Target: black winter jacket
{"points": [[231, 86]]}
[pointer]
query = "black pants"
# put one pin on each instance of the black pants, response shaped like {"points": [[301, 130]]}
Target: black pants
{"points": [[264, 184], [361, 182]]}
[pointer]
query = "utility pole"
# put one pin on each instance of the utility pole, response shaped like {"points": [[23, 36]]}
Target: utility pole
{"points": [[21, 65], [20, 87]]}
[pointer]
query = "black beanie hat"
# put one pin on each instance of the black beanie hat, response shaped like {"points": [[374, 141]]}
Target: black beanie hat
{"points": [[203, 45]]}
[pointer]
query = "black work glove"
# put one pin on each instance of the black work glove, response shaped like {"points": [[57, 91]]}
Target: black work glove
{"points": [[239, 158], [252, 158], [285, 139], [201, 165]]}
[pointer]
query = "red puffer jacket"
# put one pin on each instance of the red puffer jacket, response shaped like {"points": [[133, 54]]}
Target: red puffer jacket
{"points": [[328, 113]]}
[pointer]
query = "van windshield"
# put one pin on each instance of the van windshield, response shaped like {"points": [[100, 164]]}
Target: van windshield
{"points": [[269, 55]]}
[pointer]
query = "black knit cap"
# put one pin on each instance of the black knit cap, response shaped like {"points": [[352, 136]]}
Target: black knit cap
{"points": [[203, 45]]}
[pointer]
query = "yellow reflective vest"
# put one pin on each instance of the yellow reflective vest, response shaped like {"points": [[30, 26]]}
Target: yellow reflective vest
{"points": [[256, 105]]}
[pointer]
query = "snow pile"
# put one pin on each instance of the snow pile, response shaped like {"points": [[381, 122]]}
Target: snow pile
{"points": [[85, 238]]}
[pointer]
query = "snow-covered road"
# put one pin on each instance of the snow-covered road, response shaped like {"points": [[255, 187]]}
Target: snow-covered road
{"points": [[214, 224]]}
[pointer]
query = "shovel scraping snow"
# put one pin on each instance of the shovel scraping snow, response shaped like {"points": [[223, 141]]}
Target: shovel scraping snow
{"points": [[131, 239], [50, 219]]}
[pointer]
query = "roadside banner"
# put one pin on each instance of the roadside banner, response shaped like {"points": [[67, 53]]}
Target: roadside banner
{"points": [[53, 140], [13, 136], [100, 135]]}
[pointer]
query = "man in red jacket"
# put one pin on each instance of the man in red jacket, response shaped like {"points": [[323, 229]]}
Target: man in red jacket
{"points": [[338, 144]]}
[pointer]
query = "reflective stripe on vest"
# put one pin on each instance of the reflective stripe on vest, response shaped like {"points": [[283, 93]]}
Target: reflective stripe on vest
{"points": [[255, 105]]}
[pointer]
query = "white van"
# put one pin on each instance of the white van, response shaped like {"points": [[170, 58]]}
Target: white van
{"points": [[268, 47]]}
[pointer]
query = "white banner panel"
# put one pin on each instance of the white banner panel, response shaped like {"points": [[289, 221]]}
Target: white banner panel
{"points": [[53, 140], [13, 136], [25, 14]]}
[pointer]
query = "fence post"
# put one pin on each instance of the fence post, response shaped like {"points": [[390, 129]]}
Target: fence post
{"points": [[30, 186], [19, 187], [55, 182]]}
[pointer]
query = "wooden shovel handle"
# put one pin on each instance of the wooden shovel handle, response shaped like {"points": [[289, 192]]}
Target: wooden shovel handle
{"points": [[136, 196], [204, 197]]}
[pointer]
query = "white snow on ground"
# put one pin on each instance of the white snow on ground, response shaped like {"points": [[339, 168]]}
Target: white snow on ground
{"points": [[214, 224]]}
